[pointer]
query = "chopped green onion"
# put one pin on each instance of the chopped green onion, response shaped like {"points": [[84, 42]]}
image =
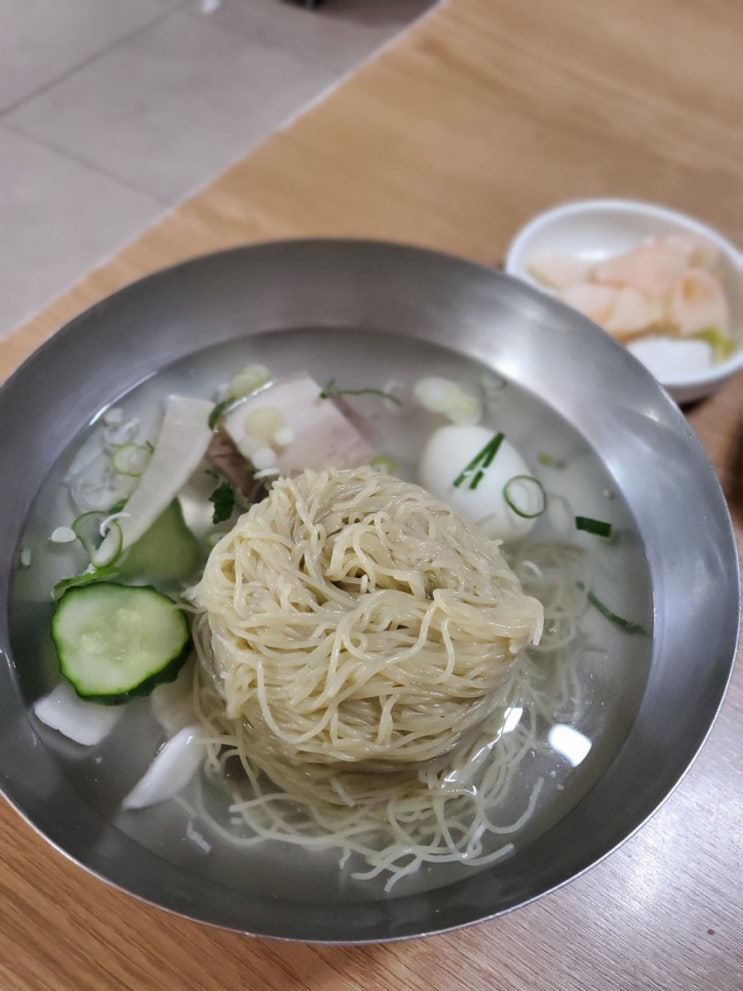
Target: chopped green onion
{"points": [[626, 624], [130, 459], [549, 460], [248, 380], [87, 529], [482, 460], [216, 414], [589, 525], [382, 463], [496, 382], [531, 483], [331, 390]]}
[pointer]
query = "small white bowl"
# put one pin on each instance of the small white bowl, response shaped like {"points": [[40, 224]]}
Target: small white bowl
{"points": [[596, 229]]}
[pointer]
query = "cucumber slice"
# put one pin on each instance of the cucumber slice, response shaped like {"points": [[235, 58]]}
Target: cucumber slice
{"points": [[115, 642], [167, 553]]}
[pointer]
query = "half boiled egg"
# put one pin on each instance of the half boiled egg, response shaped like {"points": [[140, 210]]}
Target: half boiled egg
{"points": [[498, 494]]}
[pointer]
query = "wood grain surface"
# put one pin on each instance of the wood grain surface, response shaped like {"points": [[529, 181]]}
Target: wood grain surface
{"points": [[480, 115]]}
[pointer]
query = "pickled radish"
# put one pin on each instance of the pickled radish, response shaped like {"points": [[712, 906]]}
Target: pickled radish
{"points": [[558, 270], [668, 286], [696, 302], [593, 301], [697, 250], [650, 268], [632, 313]]}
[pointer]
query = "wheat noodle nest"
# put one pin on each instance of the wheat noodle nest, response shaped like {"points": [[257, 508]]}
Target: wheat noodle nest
{"points": [[351, 619]]}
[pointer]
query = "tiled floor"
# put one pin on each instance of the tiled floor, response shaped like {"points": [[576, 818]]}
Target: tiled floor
{"points": [[113, 110]]}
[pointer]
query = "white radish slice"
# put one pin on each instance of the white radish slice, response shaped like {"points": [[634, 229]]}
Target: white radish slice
{"points": [[172, 702], [672, 357], [84, 722], [181, 444], [171, 770]]}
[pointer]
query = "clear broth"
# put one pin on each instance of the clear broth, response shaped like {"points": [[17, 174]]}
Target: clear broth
{"points": [[613, 666]]}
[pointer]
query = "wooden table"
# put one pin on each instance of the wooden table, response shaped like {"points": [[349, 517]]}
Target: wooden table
{"points": [[483, 113]]}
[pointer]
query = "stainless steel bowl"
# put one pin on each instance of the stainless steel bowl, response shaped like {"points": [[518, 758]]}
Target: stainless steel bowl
{"points": [[360, 288]]}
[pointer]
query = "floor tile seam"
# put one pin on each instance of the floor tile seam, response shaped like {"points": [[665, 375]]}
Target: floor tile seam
{"points": [[90, 59], [342, 70], [28, 132], [304, 106], [310, 63], [85, 163]]}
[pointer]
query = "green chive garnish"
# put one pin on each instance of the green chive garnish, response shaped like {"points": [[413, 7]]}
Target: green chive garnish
{"points": [[626, 624], [589, 525], [482, 460], [331, 389]]}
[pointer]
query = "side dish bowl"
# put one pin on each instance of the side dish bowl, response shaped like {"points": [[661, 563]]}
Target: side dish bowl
{"points": [[594, 230], [376, 298]]}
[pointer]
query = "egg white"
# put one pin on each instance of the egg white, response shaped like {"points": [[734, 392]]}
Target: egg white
{"points": [[450, 449]]}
